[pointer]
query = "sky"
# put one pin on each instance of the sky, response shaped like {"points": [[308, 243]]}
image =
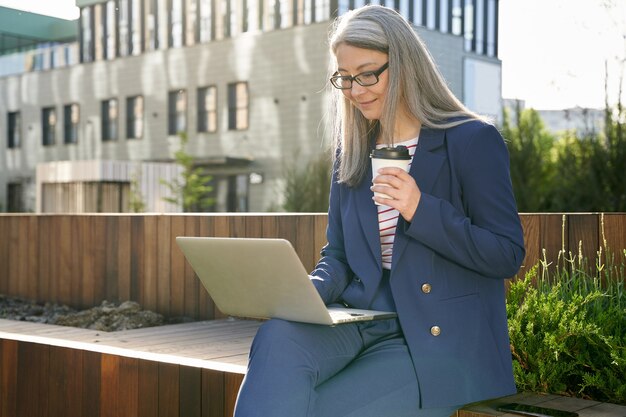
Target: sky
{"points": [[553, 52]]}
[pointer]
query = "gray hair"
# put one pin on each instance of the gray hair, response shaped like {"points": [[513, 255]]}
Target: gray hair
{"points": [[414, 81]]}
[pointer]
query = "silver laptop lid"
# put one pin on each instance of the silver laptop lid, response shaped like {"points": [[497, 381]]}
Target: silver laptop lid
{"points": [[255, 277]]}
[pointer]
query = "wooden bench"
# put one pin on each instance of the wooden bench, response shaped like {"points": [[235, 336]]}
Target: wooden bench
{"points": [[183, 370]]}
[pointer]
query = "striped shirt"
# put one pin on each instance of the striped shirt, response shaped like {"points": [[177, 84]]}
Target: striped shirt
{"points": [[388, 217]]}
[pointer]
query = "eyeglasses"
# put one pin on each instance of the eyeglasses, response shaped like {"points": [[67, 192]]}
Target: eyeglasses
{"points": [[367, 78]]}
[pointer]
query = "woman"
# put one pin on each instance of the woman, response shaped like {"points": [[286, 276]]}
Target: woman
{"points": [[436, 251]]}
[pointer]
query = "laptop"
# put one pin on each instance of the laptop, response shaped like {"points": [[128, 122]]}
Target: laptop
{"points": [[263, 278]]}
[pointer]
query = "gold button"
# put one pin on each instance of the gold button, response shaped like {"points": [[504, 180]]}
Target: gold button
{"points": [[435, 330], [426, 288]]}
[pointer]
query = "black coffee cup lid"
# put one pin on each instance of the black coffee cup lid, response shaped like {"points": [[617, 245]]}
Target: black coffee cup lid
{"points": [[398, 152]]}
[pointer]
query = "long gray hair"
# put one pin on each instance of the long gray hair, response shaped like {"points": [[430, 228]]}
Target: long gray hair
{"points": [[414, 81]]}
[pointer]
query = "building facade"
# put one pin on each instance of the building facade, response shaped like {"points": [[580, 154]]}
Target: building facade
{"points": [[245, 80]]}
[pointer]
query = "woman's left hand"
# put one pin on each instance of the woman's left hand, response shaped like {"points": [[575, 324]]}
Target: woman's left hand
{"points": [[401, 187]]}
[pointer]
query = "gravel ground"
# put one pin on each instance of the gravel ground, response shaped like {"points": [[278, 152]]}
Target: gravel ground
{"points": [[108, 316]]}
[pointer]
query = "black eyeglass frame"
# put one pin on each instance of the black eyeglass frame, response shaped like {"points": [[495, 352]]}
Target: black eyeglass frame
{"points": [[339, 78]]}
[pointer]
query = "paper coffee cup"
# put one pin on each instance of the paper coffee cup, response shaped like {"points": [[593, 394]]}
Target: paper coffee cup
{"points": [[389, 157]]}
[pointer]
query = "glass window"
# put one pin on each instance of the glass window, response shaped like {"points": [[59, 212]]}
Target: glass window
{"points": [[14, 123], [71, 117], [469, 25], [491, 28], [48, 126], [457, 17], [207, 109], [110, 28], [134, 117], [151, 41], [86, 32], [135, 27], [109, 119], [322, 10], [206, 22], [238, 106], [480, 27], [443, 17], [123, 24], [191, 26], [176, 24], [99, 32], [177, 112]]}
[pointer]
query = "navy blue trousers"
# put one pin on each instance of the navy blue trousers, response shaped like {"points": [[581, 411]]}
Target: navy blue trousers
{"points": [[350, 370]]}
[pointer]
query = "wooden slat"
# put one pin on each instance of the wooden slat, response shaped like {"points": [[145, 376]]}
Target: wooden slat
{"points": [[137, 266], [65, 395], [109, 388], [66, 257], [206, 306], [613, 230], [32, 380], [148, 389], [190, 392], [532, 244], [8, 378], [176, 275], [192, 288], [163, 264], [212, 393], [551, 237], [87, 253], [33, 256], [5, 244], [150, 267], [232, 382], [583, 232], [90, 380], [111, 243], [124, 259], [100, 258], [43, 261], [169, 389], [128, 385]]}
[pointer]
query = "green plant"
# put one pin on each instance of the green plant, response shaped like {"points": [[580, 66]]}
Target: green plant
{"points": [[136, 202], [193, 193], [567, 324], [307, 189]]}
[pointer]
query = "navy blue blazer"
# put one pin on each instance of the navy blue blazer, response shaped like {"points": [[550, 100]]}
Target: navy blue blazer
{"points": [[449, 263]]}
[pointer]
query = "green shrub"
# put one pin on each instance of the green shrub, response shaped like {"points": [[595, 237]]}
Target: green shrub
{"points": [[568, 328]]}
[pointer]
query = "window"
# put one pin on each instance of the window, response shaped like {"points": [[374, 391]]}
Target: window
{"points": [[457, 17], [206, 22], [71, 116], [150, 25], [48, 126], [177, 112], [99, 32], [207, 109], [123, 24], [191, 19], [109, 119], [238, 106], [110, 35], [176, 24], [135, 27], [86, 34], [14, 123], [134, 117]]}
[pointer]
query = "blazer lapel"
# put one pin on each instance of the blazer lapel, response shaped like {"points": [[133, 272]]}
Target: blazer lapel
{"points": [[425, 169]]}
